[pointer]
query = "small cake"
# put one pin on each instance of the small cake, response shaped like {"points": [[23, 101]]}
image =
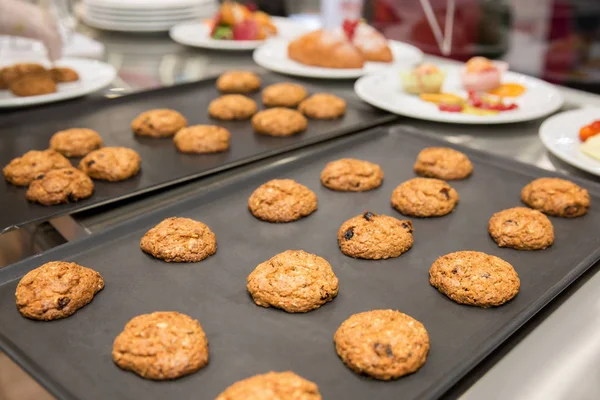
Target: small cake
{"points": [[426, 78], [481, 74]]}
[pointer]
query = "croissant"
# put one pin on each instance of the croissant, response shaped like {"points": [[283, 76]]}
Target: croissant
{"points": [[325, 49]]}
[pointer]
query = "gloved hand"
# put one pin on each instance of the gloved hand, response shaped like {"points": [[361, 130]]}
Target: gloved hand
{"points": [[18, 18]]}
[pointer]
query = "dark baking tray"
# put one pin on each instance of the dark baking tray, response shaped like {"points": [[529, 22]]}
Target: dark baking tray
{"points": [[162, 165], [72, 357]]}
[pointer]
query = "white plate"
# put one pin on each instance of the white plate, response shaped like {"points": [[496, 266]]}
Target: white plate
{"points": [[560, 135], [144, 4], [129, 26], [384, 90], [273, 56], [100, 13], [197, 34], [93, 76]]}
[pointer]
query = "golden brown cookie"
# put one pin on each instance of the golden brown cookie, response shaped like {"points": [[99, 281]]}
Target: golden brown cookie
{"points": [[521, 228], [557, 197], [60, 186], [282, 200], [13, 73], [33, 85], [111, 164], [21, 171], [383, 344], [179, 240], [232, 107], [279, 121], [294, 281], [323, 106], [202, 139], [351, 175], [284, 94], [75, 142], [238, 82], [56, 290], [162, 345], [424, 197], [64, 74], [272, 386], [158, 123], [475, 278], [443, 163], [374, 237]]}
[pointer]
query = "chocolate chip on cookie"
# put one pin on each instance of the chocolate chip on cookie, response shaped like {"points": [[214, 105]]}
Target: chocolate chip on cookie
{"points": [[424, 197], [282, 200], [111, 164], [556, 197], [158, 123], [161, 345], [75, 142], [238, 82], [474, 278], [443, 163], [180, 240], [323, 106], [202, 139], [351, 175], [272, 386], [56, 290], [21, 171], [232, 107], [294, 281], [60, 186], [383, 344], [284, 94], [279, 121], [371, 236]]}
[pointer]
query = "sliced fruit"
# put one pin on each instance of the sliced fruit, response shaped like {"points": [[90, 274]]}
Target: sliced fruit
{"points": [[587, 132], [439, 98], [246, 30], [591, 147], [222, 32], [508, 90]]}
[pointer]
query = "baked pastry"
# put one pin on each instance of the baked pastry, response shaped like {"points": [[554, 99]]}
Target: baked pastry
{"points": [[33, 85], [60, 186], [179, 240], [371, 43], [64, 74], [329, 49], [158, 123], [75, 142], [424, 197], [475, 278], [443, 163], [374, 237], [351, 175], [272, 386], [111, 164], [161, 345], [279, 121], [238, 82], [284, 94], [294, 281], [201, 139], [383, 344], [323, 106], [521, 228], [13, 73], [21, 171], [232, 107], [282, 200], [557, 197], [56, 290]]}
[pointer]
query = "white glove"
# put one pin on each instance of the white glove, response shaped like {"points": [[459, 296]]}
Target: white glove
{"points": [[18, 18]]}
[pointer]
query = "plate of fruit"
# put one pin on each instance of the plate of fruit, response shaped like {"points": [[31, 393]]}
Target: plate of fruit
{"points": [[479, 92], [574, 137], [234, 27]]}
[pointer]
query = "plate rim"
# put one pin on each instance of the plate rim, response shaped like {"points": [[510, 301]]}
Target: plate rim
{"points": [[544, 133], [466, 119]]}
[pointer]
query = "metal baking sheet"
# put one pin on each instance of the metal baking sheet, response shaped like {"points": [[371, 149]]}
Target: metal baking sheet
{"points": [[162, 164], [72, 357]]}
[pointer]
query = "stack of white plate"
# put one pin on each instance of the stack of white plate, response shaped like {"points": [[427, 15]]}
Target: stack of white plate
{"points": [[144, 15]]}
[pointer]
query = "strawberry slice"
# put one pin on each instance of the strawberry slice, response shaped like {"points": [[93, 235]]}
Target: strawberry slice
{"points": [[215, 23], [349, 27], [245, 30]]}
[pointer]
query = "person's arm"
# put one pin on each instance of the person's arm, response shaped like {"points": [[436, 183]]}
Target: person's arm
{"points": [[18, 18]]}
